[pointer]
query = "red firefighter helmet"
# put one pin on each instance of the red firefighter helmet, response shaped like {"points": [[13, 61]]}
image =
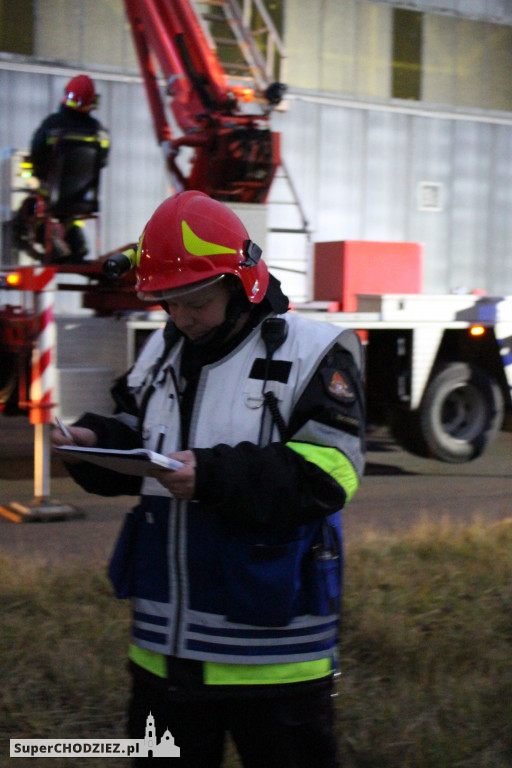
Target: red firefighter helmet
{"points": [[80, 94], [189, 242]]}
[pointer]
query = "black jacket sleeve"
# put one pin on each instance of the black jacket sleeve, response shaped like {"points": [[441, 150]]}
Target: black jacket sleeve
{"points": [[270, 488], [274, 487], [112, 433]]}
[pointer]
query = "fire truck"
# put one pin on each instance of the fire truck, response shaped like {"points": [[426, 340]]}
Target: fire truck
{"points": [[439, 368]]}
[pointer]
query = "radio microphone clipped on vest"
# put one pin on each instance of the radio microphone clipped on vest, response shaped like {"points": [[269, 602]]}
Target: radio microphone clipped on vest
{"points": [[274, 331]]}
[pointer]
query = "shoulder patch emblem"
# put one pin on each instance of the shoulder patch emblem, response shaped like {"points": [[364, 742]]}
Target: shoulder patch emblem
{"points": [[338, 386]]}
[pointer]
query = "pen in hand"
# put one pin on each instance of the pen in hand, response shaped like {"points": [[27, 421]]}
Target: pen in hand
{"points": [[65, 431]]}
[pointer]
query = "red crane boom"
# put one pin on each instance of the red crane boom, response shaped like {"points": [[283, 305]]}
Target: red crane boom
{"points": [[234, 154]]}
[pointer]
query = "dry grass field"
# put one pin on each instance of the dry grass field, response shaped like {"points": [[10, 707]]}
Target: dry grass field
{"points": [[425, 657]]}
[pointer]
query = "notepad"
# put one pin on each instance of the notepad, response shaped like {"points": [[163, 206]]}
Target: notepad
{"points": [[137, 461]]}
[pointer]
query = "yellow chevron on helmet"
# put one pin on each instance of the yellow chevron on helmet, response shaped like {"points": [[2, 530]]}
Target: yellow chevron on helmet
{"points": [[196, 246]]}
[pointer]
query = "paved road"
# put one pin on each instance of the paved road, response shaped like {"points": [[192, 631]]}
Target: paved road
{"points": [[398, 491]]}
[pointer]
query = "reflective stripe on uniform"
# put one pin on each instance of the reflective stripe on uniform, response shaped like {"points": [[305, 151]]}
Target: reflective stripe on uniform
{"points": [[215, 673], [76, 137], [332, 461], [265, 674], [148, 660], [322, 435]]}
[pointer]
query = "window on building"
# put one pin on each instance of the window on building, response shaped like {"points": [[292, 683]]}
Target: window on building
{"points": [[407, 54], [17, 26]]}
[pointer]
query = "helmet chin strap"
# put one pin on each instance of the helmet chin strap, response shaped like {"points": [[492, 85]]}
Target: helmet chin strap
{"points": [[237, 305]]}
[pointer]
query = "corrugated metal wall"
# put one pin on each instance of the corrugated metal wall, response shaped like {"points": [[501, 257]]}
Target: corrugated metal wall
{"points": [[358, 167], [368, 166], [360, 170]]}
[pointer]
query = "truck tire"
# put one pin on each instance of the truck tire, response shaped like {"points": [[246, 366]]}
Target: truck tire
{"points": [[461, 412]]}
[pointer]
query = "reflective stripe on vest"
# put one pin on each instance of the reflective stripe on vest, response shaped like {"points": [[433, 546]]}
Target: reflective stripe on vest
{"points": [[239, 674]]}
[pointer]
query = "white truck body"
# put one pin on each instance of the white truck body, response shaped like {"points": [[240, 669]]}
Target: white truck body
{"points": [[439, 368]]}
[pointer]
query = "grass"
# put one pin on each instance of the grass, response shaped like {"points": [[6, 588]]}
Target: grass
{"points": [[427, 649], [426, 652]]}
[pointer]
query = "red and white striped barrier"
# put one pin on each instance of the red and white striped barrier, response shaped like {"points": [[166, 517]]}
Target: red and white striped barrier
{"points": [[42, 381], [41, 282]]}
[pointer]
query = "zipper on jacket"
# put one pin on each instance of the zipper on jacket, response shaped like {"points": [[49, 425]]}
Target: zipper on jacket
{"points": [[178, 570]]}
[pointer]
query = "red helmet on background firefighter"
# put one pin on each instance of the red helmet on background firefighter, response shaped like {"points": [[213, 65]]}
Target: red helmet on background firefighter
{"points": [[191, 241], [80, 94]]}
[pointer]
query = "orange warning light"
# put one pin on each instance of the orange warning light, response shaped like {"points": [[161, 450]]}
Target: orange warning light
{"points": [[11, 280], [242, 93]]}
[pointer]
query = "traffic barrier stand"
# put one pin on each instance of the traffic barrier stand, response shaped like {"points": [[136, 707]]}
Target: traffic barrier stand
{"points": [[40, 281]]}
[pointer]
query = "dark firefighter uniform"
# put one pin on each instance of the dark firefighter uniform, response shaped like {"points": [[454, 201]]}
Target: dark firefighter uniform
{"points": [[79, 126], [237, 593], [235, 586]]}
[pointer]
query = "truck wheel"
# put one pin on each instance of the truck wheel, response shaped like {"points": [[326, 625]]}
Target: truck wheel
{"points": [[461, 412]]}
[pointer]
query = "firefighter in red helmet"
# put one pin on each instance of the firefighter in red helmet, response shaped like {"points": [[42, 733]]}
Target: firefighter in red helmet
{"points": [[192, 241], [72, 121], [233, 562], [80, 94]]}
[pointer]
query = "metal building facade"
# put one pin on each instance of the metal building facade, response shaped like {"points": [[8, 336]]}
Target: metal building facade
{"points": [[365, 165], [391, 174]]}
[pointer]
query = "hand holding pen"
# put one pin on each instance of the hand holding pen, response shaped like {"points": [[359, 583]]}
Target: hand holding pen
{"points": [[65, 431], [73, 435]]}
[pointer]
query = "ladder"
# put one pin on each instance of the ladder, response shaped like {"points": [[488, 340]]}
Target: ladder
{"points": [[245, 40]]}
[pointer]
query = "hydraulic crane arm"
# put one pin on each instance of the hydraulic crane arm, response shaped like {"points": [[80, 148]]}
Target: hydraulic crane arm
{"points": [[234, 154]]}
